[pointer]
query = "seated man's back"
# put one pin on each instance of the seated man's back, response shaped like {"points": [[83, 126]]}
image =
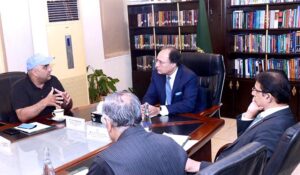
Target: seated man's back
{"points": [[135, 151], [139, 152]]}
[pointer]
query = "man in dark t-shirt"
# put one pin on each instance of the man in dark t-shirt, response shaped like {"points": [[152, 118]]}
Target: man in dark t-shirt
{"points": [[39, 93]]}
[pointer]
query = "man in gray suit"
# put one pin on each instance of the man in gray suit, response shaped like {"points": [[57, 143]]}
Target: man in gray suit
{"points": [[266, 118], [134, 151]]}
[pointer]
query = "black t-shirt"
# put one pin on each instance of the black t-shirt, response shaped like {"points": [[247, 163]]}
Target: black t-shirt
{"points": [[25, 93]]}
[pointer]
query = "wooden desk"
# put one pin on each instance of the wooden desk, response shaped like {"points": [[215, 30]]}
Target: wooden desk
{"points": [[206, 128]]}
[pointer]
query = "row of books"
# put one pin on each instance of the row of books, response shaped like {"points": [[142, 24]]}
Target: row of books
{"points": [[167, 40], [250, 67], [144, 41], [288, 18], [147, 41], [248, 20], [188, 17], [251, 43], [168, 18], [189, 41], [290, 67], [145, 20], [284, 43], [248, 2]]}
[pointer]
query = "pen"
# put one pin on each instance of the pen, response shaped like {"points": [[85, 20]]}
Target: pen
{"points": [[33, 126], [184, 143]]}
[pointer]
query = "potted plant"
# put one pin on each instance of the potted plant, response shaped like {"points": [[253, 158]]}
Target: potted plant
{"points": [[100, 84]]}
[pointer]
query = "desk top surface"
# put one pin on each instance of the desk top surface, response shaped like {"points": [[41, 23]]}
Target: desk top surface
{"points": [[67, 147], [26, 156]]}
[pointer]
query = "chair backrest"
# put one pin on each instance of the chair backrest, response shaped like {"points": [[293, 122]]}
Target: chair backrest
{"points": [[248, 160], [286, 155], [7, 81], [211, 71]]}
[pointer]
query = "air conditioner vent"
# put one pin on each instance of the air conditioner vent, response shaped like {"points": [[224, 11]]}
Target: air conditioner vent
{"points": [[62, 10]]}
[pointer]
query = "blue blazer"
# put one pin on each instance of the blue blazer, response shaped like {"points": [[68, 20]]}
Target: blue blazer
{"points": [[267, 131], [186, 94]]}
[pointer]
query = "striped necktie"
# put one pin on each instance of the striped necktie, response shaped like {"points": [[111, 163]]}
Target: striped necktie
{"points": [[168, 91]]}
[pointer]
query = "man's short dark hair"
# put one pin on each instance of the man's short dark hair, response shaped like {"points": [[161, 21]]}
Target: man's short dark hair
{"points": [[174, 55], [277, 84]]}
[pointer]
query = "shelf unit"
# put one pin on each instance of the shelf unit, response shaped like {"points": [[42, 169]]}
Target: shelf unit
{"points": [[260, 36], [154, 25]]}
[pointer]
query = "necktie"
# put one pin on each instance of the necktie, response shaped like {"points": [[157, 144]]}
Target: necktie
{"points": [[257, 119], [168, 91]]}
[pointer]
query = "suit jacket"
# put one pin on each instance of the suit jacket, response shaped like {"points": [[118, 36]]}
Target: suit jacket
{"points": [[266, 131], [138, 152], [186, 95]]}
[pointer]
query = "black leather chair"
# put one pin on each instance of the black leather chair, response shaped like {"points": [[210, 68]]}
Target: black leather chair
{"points": [[249, 160], [211, 71], [286, 155], [7, 80]]}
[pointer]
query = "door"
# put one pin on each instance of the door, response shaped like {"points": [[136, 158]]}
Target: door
{"points": [[65, 43]]}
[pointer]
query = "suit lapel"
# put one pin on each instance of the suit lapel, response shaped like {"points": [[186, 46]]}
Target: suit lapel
{"points": [[177, 81], [280, 113]]}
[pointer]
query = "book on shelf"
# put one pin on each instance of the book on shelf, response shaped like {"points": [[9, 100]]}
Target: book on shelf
{"points": [[249, 67], [145, 62]]}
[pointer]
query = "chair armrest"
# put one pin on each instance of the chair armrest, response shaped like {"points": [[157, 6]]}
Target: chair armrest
{"points": [[210, 111], [221, 149], [206, 113]]}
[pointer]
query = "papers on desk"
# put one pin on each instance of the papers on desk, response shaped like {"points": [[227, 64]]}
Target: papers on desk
{"points": [[189, 144], [38, 127], [5, 145], [182, 140]]}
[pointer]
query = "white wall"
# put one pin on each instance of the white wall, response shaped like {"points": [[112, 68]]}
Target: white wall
{"points": [[18, 39], [16, 27], [117, 67]]}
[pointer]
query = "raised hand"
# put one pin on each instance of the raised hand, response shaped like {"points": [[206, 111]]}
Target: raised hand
{"points": [[66, 96], [252, 110], [53, 99]]}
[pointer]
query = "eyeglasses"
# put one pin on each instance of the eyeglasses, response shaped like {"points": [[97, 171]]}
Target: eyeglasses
{"points": [[256, 90]]}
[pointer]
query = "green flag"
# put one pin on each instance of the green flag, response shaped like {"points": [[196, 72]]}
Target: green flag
{"points": [[203, 34]]}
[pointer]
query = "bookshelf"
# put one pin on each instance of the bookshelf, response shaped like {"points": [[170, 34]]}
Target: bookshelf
{"points": [[153, 26], [261, 35]]}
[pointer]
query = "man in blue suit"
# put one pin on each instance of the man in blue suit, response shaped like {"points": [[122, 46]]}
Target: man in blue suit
{"points": [[266, 119], [183, 86]]}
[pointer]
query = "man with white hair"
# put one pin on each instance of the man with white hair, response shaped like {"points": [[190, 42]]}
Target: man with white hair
{"points": [[39, 93], [134, 150]]}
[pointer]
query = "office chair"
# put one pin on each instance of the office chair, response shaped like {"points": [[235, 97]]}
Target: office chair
{"points": [[7, 81], [286, 155], [211, 71], [248, 160]]}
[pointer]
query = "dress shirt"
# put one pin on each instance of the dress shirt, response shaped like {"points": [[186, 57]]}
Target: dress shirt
{"points": [[164, 109]]}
